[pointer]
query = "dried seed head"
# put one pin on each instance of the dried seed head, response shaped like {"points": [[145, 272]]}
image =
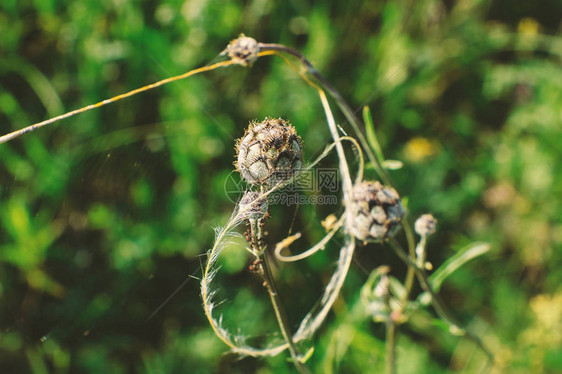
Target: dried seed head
{"points": [[425, 225], [375, 211], [252, 208], [269, 152], [243, 50]]}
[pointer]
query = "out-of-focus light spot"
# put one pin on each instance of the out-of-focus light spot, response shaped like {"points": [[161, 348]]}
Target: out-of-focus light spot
{"points": [[210, 146], [298, 25], [499, 195], [528, 26], [164, 14], [419, 149], [191, 10], [197, 37]]}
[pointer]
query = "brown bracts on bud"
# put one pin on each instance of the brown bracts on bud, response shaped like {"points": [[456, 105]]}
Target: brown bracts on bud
{"points": [[269, 152], [243, 50], [375, 212], [251, 207]]}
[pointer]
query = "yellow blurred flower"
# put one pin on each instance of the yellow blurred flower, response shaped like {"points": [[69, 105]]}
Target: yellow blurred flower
{"points": [[545, 333], [547, 329], [528, 26], [419, 149]]}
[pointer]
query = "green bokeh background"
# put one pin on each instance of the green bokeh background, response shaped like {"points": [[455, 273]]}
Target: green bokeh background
{"points": [[105, 215]]}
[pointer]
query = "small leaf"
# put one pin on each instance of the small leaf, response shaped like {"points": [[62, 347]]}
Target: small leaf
{"points": [[463, 256], [371, 134]]}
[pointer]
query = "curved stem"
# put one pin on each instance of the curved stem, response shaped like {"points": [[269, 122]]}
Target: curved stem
{"points": [[355, 123], [313, 320], [309, 252], [342, 104], [346, 176]]}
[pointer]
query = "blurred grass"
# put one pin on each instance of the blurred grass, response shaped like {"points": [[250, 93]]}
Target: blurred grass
{"points": [[104, 215]]}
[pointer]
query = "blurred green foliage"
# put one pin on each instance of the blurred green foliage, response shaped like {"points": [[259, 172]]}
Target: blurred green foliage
{"points": [[105, 215]]}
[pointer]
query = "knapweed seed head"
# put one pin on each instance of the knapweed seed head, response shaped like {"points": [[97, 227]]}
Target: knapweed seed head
{"points": [[243, 50], [426, 225], [375, 211], [269, 152], [251, 208]]}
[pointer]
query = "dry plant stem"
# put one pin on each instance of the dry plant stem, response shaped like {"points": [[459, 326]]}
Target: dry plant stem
{"points": [[280, 315], [335, 284], [354, 121], [269, 281], [346, 253], [409, 282], [390, 355], [391, 332], [438, 304], [17, 133], [311, 322], [391, 326], [347, 185]]}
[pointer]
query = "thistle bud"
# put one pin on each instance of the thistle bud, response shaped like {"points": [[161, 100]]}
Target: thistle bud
{"points": [[425, 225], [252, 208], [243, 50], [269, 152], [375, 211]]}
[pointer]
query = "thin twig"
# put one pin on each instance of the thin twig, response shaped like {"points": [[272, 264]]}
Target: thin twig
{"points": [[390, 359], [25, 130], [320, 245], [438, 304], [269, 282]]}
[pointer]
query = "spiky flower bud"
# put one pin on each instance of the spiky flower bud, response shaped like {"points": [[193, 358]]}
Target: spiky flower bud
{"points": [[269, 152], [243, 50], [375, 211], [252, 208], [425, 225]]}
